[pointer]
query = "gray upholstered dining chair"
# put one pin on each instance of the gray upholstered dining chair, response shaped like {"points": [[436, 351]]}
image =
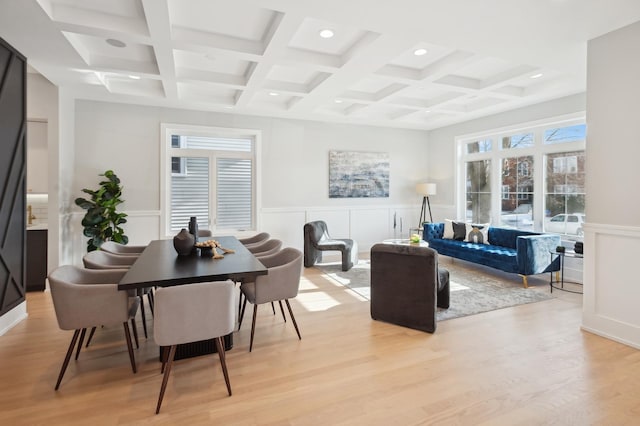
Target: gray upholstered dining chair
{"points": [[254, 240], [191, 313], [84, 298], [266, 248], [104, 260], [281, 283], [121, 249], [99, 259]]}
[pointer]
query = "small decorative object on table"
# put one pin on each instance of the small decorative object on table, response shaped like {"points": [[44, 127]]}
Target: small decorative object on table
{"points": [[210, 247], [560, 249], [183, 242], [193, 230], [414, 239]]}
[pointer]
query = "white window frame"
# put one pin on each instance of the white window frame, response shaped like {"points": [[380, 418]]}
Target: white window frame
{"points": [[166, 152], [539, 150]]}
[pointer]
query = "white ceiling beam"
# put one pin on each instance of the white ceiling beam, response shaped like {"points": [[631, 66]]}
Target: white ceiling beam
{"points": [[159, 24]]}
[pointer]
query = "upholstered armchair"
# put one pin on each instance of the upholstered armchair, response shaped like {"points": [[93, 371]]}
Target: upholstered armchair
{"points": [[317, 240], [265, 248], [84, 298], [121, 249], [407, 286], [192, 313], [281, 283], [255, 239]]}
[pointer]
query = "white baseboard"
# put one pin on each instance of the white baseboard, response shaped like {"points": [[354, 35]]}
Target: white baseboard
{"points": [[13, 317]]}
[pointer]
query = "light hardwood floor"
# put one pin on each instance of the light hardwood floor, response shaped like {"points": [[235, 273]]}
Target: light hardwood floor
{"points": [[525, 365]]}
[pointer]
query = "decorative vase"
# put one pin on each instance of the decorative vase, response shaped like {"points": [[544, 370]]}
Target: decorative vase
{"points": [[184, 242], [193, 227]]}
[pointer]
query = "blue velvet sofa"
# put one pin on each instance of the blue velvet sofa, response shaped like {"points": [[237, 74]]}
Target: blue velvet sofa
{"points": [[510, 250]]}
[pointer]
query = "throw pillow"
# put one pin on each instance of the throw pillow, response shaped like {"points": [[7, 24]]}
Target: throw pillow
{"points": [[459, 231], [448, 229], [478, 233]]}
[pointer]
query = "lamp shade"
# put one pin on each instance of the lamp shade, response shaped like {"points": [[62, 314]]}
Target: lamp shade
{"points": [[426, 189]]}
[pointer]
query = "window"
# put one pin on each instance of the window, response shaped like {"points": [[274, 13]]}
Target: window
{"points": [[536, 174], [478, 183], [212, 177]]}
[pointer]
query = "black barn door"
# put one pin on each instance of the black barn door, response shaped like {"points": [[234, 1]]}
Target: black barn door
{"points": [[12, 177]]}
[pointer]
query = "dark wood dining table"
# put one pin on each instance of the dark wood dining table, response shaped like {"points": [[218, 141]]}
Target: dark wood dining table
{"points": [[160, 265]]}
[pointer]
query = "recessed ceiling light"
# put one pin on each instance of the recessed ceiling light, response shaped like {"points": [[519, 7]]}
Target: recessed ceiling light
{"points": [[420, 52], [338, 101], [115, 43], [427, 111], [134, 77], [536, 75], [274, 94], [326, 33]]}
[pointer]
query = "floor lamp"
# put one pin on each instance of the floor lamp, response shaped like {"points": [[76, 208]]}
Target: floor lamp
{"points": [[425, 189]]}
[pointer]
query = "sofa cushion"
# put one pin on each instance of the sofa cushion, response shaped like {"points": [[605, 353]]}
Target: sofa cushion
{"points": [[506, 237], [459, 231], [499, 257]]}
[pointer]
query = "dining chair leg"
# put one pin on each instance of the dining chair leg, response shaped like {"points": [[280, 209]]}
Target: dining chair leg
{"points": [[144, 316], [164, 355], [240, 307], [223, 362], [293, 318], [244, 305], [273, 308], [282, 310], [74, 339], [253, 326], [82, 333], [93, 330], [151, 300], [165, 377], [127, 334], [135, 332]]}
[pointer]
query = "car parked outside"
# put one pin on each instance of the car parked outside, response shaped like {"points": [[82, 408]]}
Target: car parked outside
{"points": [[570, 224]]}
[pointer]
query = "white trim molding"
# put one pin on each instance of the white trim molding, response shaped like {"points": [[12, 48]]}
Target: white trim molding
{"points": [[611, 291], [13, 317]]}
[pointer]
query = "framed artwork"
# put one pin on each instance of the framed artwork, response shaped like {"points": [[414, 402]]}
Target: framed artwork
{"points": [[354, 174]]}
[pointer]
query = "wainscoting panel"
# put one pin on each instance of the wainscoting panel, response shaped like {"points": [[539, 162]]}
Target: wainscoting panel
{"points": [[369, 227], [338, 220], [285, 225], [611, 290]]}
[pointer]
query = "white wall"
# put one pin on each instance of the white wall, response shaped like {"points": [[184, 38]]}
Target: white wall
{"points": [[612, 237], [42, 104], [294, 173]]}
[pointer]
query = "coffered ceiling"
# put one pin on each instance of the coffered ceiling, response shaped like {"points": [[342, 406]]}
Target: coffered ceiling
{"points": [[267, 57]]}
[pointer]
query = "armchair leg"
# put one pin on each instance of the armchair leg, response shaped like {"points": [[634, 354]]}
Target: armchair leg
{"points": [[165, 378], [127, 334], [135, 332], [293, 318], [223, 361], [82, 333], [244, 305], [282, 310], [74, 339], [144, 316], [93, 330], [253, 326], [525, 281]]}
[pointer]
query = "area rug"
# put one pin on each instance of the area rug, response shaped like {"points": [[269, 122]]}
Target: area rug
{"points": [[471, 292]]}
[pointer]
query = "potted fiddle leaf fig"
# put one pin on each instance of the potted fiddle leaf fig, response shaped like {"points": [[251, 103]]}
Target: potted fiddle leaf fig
{"points": [[102, 221]]}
